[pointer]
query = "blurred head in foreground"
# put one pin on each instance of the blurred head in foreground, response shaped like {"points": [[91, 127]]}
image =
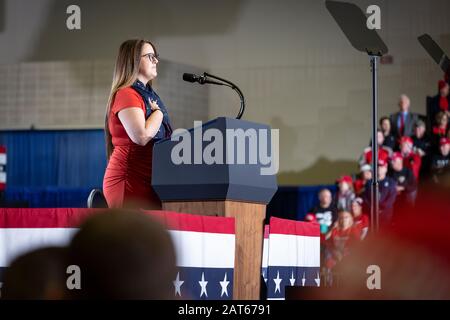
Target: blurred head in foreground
{"points": [[36, 275], [123, 255]]}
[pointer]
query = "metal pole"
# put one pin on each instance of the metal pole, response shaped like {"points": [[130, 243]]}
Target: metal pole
{"points": [[374, 205]]}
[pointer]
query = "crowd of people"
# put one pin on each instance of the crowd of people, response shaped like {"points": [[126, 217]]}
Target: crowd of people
{"points": [[411, 149]]}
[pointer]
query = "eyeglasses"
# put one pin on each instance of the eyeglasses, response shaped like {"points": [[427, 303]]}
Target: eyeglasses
{"points": [[152, 57]]}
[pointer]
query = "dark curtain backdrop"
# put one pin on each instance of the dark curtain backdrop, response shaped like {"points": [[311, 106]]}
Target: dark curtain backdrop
{"points": [[52, 168], [61, 158]]}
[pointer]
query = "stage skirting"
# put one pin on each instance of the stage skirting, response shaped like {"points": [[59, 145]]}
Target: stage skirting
{"points": [[205, 248]]}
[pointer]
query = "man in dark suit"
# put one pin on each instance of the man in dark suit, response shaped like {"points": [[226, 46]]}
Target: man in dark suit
{"points": [[404, 120]]}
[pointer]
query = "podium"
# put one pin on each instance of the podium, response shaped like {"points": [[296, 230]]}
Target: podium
{"points": [[220, 176]]}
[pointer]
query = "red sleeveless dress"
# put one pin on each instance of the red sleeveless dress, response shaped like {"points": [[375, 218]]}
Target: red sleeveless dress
{"points": [[127, 180]]}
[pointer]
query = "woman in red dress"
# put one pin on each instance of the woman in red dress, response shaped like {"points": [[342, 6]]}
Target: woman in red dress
{"points": [[135, 119]]}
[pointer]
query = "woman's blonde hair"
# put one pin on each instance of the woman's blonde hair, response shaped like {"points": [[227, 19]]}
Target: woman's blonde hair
{"points": [[126, 72]]}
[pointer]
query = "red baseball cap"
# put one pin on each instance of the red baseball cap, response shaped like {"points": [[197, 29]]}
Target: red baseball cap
{"points": [[444, 141], [441, 84], [382, 163], [406, 139], [346, 179], [310, 217], [396, 155]]}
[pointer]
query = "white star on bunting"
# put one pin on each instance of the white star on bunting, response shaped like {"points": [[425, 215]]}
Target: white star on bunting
{"points": [[292, 279], [317, 280], [203, 285], [177, 284], [224, 286], [277, 281]]}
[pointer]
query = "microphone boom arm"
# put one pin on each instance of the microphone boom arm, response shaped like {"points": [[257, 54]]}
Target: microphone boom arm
{"points": [[235, 88]]}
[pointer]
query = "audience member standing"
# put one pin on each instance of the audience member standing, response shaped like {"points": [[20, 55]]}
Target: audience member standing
{"points": [[403, 121], [440, 162], [364, 176], [406, 182], [439, 102], [383, 152], [360, 219], [387, 194], [440, 130], [389, 138], [345, 193], [421, 143], [411, 159], [339, 242]]}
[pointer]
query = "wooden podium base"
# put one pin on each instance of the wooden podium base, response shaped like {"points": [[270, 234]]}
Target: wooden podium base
{"points": [[249, 225]]}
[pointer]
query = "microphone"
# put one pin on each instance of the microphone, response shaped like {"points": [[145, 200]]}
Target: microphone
{"points": [[190, 77]]}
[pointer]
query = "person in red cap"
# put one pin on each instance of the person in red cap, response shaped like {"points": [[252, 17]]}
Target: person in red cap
{"points": [[364, 176], [360, 219], [440, 130], [383, 151], [345, 193], [406, 182], [440, 162], [411, 159], [310, 217], [403, 121], [440, 102], [387, 188]]}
